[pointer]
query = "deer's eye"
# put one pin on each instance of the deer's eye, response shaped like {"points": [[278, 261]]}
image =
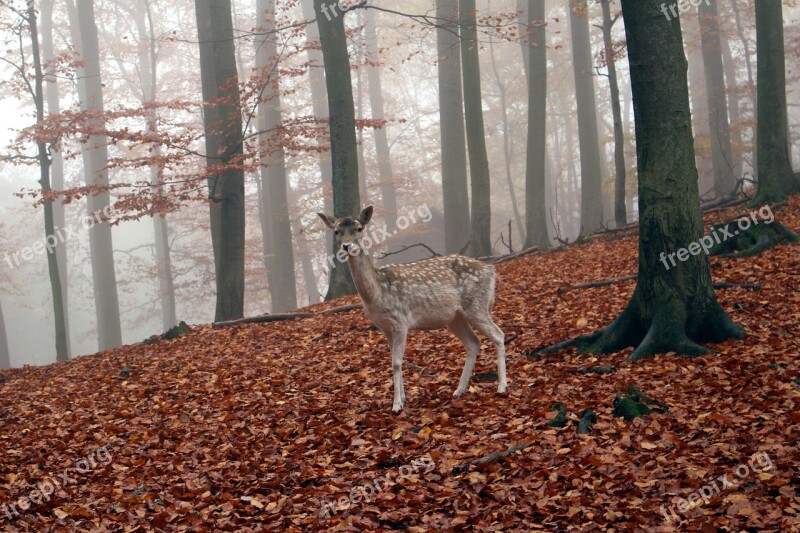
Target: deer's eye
{"points": [[360, 230], [336, 232]]}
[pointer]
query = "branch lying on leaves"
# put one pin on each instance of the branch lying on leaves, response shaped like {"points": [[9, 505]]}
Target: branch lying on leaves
{"points": [[612, 281]]}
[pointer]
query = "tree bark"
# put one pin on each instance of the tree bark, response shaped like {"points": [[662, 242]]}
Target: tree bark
{"points": [[5, 356], [481, 215], [775, 176], [673, 307], [452, 133], [735, 107], [388, 193], [620, 211], [56, 157], [222, 120], [95, 160], [280, 255], [718, 125], [699, 100], [591, 180], [535, 165], [344, 149]]}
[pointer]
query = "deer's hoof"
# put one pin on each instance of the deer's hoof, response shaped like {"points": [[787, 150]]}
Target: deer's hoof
{"points": [[459, 393], [398, 406], [502, 388]]}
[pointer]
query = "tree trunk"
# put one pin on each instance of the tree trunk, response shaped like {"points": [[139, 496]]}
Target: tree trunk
{"points": [[751, 82], [775, 176], [452, 134], [591, 186], [481, 213], [56, 157], [699, 101], [718, 125], [673, 307], [148, 74], [95, 160], [5, 356], [735, 107], [535, 166], [319, 101], [222, 120], [388, 194], [273, 166], [620, 211], [344, 149]]}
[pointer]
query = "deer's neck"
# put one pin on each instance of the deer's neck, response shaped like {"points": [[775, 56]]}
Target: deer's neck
{"points": [[365, 277]]}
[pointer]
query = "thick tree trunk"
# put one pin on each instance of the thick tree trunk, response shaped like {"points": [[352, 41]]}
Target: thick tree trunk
{"points": [[344, 149], [535, 166], [281, 274], [591, 179], [95, 160], [620, 211], [481, 212], [673, 307], [718, 125], [452, 134], [5, 356], [775, 176], [148, 75], [56, 157], [222, 119], [388, 194]]}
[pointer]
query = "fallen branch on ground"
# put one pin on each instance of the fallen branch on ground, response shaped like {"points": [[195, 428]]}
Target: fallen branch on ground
{"points": [[282, 317], [612, 281]]}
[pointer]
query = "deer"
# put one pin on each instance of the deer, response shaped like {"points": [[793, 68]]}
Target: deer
{"points": [[452, 291]]}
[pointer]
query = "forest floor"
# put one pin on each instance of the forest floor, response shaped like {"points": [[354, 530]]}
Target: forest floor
{"points": [[274, 426]]}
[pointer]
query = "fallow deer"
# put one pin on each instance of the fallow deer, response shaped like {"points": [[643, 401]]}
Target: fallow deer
{"points": [[453, 291]]}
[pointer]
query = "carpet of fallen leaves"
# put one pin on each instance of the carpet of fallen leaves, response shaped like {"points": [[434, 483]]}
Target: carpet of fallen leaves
{"points": [[255, 427]]}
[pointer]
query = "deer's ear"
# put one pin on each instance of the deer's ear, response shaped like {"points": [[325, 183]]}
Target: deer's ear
{"points": [[329, 221], [365, 216]]}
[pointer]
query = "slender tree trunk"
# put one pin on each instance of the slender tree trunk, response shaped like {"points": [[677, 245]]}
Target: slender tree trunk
{"points": [[718, 125], [56, 157], [222, 118], [535, 166], [309, 277], [273, 166], [508, 147], [452, 133], [148, 73], [735, 106], [319, 101], [751, 81], [775, 176], [481, 212], [344, 149], [620, 211], [699, 101], [95, 158], [388, 193], [673, 307], [5, 355], [591, 186], [525, 36]]}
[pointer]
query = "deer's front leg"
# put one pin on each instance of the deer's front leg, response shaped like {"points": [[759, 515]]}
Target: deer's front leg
{"points": [[397, 342]]}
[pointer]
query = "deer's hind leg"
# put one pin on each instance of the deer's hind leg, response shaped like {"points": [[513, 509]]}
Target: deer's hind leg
{"points": [[461, 329], [482, 321]]}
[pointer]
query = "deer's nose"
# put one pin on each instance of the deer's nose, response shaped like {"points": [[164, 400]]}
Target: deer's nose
{"points": [[346, 247]]}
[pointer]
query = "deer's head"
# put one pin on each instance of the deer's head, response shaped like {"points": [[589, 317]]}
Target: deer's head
{"points": [[348, 231]]}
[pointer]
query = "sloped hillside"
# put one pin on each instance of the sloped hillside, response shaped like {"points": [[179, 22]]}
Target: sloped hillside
{"points": [[287, 426]]}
